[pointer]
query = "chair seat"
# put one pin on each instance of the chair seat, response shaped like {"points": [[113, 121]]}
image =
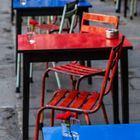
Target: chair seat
{"points": [[74, 99], [48, 26], [77, 70]]}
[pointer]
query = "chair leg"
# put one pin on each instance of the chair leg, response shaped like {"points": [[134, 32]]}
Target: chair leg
{"points": [[41, 120], [87, 119], [31, 72], [104, 113], [57, 77], [52, 117], [43, 88], [42, 99], [18, 72], [47, 65], [118, 6], [73, 82], [89, 79], [39, 113], [135, 7], [131, 9]]}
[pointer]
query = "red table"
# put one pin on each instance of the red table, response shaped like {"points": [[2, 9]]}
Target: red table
{"points": [[79, 46]]}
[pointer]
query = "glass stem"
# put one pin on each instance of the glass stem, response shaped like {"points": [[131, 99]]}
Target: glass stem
{"points": [[71, 133]]}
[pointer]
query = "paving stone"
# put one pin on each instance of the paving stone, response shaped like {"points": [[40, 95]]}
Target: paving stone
{"points": [[9, 129]]}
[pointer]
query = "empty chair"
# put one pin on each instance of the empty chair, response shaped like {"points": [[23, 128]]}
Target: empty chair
{"points": [[84, 102]]}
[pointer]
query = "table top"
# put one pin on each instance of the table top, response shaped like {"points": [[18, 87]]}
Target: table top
{"points": [[98, 132], [47, 3], [69, 42]]}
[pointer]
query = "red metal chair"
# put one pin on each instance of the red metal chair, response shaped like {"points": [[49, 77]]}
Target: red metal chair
{"points": [[83, 101], [75, 70]]}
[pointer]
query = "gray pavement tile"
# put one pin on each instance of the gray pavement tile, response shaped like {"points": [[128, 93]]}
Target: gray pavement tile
{"points": [[9, 129], [135, 113]]}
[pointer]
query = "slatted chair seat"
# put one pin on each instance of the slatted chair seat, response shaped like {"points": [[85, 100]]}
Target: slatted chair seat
{"points": [[77, 70], [48, 27], [74, 99]]}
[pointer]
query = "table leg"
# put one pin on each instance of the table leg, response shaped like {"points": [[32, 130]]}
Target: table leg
{"points": [[18, 31], [125, 90], [115, 97], [12, 12], [26, 89], [125, 8], [18, 26], [118, 6]]}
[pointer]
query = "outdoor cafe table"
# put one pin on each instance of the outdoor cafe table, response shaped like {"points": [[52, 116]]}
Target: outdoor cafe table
{"points": [[43, 8], [98, 132], [68, 47]]}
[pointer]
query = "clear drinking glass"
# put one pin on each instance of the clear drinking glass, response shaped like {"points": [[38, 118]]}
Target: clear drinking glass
{"points": [[30, 35], [72, 132], [23, 2]]}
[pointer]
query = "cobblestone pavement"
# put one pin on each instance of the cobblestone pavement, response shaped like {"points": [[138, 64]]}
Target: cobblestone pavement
{"points": [[9, 128], [11, 102]]}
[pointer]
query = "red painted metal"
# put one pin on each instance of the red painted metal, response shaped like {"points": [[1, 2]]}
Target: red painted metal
{"points": [[108, 22], [62, 42], [86, 102]]}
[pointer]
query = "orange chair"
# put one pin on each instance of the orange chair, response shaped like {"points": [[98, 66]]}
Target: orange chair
{"points": [[75, 69], [108, 21], [83, 101]]}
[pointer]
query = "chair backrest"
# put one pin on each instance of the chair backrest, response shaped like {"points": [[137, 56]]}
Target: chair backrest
{"points": [[110, 71], [92, 22], [69, 12]]}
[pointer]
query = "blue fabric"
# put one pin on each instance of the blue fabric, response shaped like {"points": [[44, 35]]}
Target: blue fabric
{"points": [[46, 3], [98, 132]]}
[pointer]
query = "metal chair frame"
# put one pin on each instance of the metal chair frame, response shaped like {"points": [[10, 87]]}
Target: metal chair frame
{"points": [[83, 101], [77, 71]]}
